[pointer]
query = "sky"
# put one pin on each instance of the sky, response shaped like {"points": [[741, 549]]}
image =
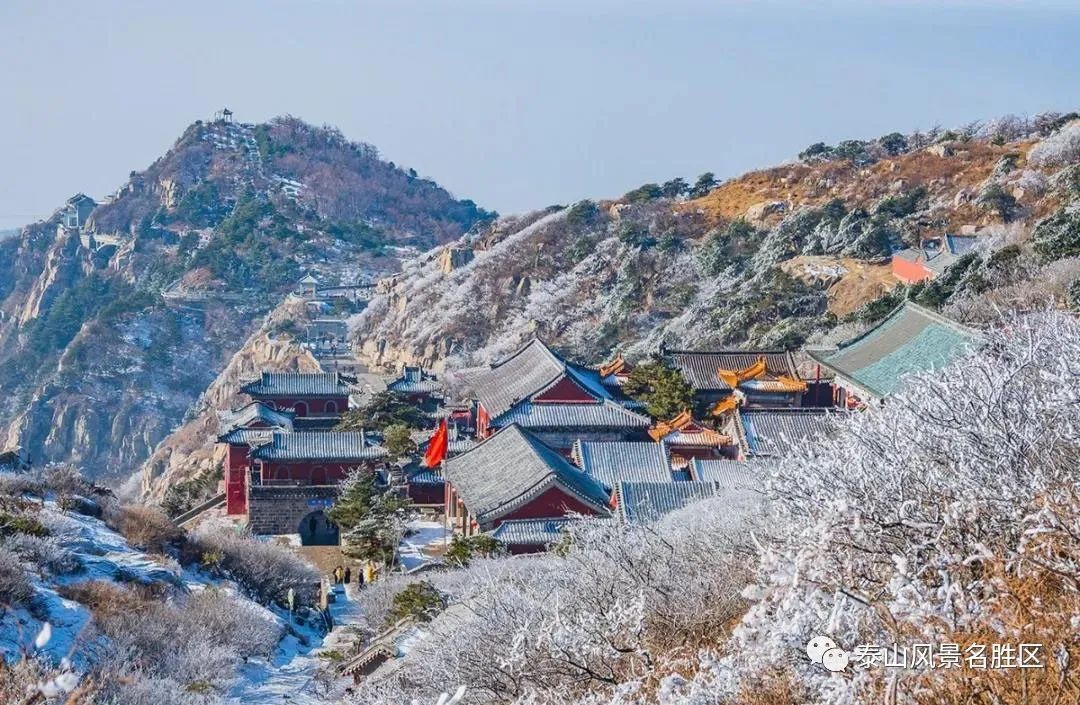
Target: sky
{"points": [[516, 104]]}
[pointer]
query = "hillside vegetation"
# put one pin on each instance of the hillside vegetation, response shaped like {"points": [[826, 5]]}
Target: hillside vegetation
{"points": [[109, 335], [772, 258], [947, 516], [108, 603]]}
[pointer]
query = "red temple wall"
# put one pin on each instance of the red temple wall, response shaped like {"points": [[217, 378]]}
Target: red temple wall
{"points": [[236, 472], [552, 503], [909, 272], [308, 472], [565, 391], [308, 405]]}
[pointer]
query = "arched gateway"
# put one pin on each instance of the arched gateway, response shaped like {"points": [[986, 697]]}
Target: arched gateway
{"points": [[316, 529]]}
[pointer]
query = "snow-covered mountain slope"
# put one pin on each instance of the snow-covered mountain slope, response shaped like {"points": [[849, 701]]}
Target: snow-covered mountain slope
{"points": [[770, 258], [131, 610]]}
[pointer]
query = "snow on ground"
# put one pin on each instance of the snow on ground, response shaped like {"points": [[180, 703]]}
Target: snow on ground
{"points": [[424, 544], [103, 555], [289, 674]]}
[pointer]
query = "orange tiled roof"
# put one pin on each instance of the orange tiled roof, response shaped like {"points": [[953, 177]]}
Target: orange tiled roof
{"points": [[701, 437], [729, 403], [663, 428], [757, 373], [732, 378], [683, 430], [616, 366]]}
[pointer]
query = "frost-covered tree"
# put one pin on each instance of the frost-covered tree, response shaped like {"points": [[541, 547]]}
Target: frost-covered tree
{"points": [[939, 519], [371, 517], [950, 515], [1060, 148]]}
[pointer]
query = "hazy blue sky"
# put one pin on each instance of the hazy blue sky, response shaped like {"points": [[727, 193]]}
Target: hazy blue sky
{"points": [[516, 105]]}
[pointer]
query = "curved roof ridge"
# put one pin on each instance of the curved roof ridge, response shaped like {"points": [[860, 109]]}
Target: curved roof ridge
{"points": [[534, 340]]}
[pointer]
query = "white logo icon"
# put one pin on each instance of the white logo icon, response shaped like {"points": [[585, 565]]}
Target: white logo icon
{"points": [[823, 650]]}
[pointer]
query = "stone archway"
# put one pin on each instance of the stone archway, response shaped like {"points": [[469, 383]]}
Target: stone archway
{"points": [[316, 529], [301, 409]]}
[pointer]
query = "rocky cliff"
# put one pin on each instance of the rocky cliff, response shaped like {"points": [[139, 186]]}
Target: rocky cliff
{"points": [[190, 451], [772, 258], [116, 317]]}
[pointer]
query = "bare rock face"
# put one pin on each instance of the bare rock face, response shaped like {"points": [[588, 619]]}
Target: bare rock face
{"points": [[453, 258], [63, 264], [170, 191], [191, 449], [760, 212], [942, 149]]}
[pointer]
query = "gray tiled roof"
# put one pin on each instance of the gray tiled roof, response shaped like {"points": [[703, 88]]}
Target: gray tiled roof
{"points": [[327, 445], [779, 431], [643, 502], [612, 462], [297, 384], [248, 436], [414, 380], [531, 532], [730, 474], [255, 412], [544, 415], [910, 339], [460, 446], [529, 371], [426, 477], [510, 468], [699, 368], [455, 446]]}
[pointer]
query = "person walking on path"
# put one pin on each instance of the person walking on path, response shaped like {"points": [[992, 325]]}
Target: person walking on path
{"points": [[348, 575]]}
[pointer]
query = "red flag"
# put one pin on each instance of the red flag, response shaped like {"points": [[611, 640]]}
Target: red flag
{"points": [[436, 449]]}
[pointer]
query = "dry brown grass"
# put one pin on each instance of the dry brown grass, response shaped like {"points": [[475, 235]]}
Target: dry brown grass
{"points": [[105, 599], [802, 185], [772, 689], [861, 283], [145, 528], [1037, 607]]}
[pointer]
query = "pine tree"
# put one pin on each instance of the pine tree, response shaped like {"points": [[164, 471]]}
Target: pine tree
{"points": [[371, 518], [662, 389]]}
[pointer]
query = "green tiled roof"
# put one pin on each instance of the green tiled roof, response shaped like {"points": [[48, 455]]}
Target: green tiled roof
{"points": [[911, 339]]}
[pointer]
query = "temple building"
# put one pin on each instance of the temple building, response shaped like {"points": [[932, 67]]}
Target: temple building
{"points": [[731, 474], [612, 462], [513, 475], [306, 394], [931, 258], [519, 536], [736, 484], [686, 438], [616, 372], [911, 339], [247, 428], [415, 383], [283, 480], [724, 379], [426, 487], [645, 502], [778, 432], [324, 458], [557, 400]]}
